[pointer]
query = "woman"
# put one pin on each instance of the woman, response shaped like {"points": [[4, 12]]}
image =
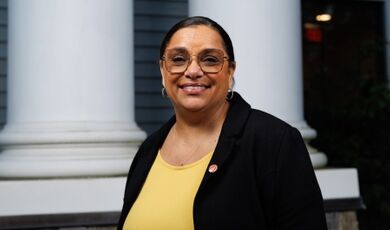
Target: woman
{"points": [[217, 164]]}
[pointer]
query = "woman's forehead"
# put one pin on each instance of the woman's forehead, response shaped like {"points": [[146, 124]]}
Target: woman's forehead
{"points": [[195, 37]]}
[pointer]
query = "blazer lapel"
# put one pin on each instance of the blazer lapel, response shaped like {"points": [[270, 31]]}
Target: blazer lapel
{"points": [[235, 121]]}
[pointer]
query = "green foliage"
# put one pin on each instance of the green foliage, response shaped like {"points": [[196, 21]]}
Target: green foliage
{"points": [[354, 131]]}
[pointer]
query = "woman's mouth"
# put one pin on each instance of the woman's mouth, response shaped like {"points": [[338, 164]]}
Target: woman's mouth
{"points": [[193, 88]]}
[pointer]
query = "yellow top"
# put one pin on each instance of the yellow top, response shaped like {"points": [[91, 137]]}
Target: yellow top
{"points": [[167, 196]]}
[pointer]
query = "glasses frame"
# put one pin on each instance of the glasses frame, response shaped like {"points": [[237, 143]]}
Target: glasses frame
{"points": [[225, 58]]}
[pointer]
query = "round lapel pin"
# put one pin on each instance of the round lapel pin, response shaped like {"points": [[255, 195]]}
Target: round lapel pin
{"points": [[213, 168]]}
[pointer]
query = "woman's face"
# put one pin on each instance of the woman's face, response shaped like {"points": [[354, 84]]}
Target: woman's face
{"points": [[195, 89]]}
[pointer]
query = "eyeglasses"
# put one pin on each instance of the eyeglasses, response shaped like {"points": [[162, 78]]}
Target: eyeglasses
{"points": [[209, 60]]}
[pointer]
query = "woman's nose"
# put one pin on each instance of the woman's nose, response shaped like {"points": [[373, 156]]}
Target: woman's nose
{"points": [[193, 69]]}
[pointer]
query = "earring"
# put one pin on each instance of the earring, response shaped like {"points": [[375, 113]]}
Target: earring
{"points": [[230, 95], [164, 92]]}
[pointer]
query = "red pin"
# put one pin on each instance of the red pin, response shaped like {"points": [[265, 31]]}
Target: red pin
{"points": [[213, 168]]}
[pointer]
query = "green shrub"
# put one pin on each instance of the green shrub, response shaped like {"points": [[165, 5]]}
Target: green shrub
{"points": [[353, 126]]}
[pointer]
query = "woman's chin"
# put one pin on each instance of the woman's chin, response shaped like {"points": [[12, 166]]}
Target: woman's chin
{"points": [[192, 105], [193, 108]]}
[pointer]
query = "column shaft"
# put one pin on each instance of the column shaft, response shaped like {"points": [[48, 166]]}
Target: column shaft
{"points": [[70, 89]]}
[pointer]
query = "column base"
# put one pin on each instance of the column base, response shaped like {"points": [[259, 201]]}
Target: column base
{"points": [[66, 161], [61, 196], [53, 154], [318, 159]]}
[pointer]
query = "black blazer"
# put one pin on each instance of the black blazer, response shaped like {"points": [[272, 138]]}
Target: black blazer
{"points": [[264, 180]]}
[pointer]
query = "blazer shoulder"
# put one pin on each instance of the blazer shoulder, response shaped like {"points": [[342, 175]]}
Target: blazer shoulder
{"points": [[264, 121]]}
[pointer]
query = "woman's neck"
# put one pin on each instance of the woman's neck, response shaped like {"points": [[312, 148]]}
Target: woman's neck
{"points": [[193, 135], [192, 123]]}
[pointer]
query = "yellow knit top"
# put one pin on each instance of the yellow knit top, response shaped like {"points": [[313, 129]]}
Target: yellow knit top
{"points": [[167, 196]]}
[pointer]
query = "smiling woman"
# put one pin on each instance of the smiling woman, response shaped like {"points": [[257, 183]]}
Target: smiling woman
{"points": [[217, 164], [197, 84]]}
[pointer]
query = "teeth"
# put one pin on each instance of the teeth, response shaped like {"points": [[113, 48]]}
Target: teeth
{"points": [[193, 87]]}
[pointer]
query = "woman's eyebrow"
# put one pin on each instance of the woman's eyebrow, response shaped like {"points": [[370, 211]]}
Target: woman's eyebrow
{"points": [[179, 49]]}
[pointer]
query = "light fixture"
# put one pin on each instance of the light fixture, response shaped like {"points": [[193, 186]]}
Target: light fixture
{"points": [[324, 17], [326, 14]]}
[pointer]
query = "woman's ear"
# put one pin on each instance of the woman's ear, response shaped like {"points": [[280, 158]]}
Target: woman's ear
{"points": [[162, 73], [232, 69], [231, 82]]}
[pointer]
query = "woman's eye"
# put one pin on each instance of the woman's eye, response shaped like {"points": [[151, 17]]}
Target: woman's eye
{"points": [[210, 60], [178, 59]]}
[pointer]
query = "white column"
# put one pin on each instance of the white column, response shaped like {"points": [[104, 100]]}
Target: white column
{"points": [[267, 42], [70, 109], [387, 31]]}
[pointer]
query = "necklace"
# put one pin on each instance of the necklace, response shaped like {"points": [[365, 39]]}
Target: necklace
{"points": [[183, 152]]}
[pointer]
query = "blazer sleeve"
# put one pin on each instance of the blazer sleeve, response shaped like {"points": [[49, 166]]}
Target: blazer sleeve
{"points": [[299, 203]]}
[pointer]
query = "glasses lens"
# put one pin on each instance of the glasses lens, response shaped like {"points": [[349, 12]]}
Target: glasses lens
{"points": [[176, 61], [211, 61]]}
